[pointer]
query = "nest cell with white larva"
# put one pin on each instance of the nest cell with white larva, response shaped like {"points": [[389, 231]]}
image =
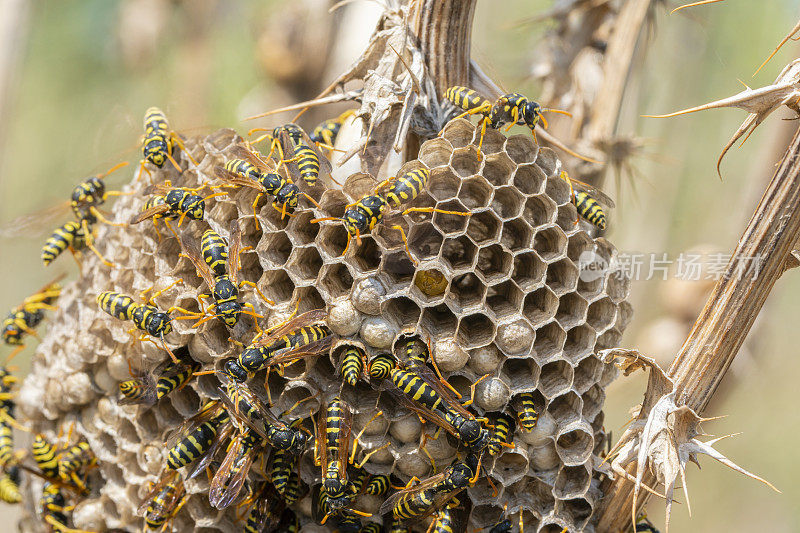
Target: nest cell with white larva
{"points": [[498, 292]]}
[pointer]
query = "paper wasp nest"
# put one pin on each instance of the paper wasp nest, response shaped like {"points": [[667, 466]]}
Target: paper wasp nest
{"points": [[498, 292]]}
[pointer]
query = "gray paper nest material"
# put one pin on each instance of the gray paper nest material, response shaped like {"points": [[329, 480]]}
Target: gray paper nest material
{"points": [[514, 304]]}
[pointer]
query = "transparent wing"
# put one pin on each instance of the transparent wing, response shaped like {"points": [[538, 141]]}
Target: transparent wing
{"points": [[171, 477], [306, 319], [149, 213], [234, 249], [593, 191], [290, 355], [36, 223], [233, 393], [392, 500], [191, 250], [252, 157], [223, 434], [225, 487], [421, 410], [236, 179]]}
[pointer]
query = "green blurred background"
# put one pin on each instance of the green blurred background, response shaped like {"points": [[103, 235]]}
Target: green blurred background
{"points": [[77, 76]]}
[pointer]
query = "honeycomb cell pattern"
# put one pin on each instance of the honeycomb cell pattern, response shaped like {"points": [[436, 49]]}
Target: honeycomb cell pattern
{"points": [[508, 300]]}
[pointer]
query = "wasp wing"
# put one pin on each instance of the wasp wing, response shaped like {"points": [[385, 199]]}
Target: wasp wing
{"points": [[234, 249], [223, 435], [149, 213], [291, 355], [593, 191], [236, 179], [162, 482], [394, 499], [306, 319], [226, 487], [191, 251], [36, 223]]}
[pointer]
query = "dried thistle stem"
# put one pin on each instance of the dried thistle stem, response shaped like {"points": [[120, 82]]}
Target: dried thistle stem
{"points": [[444, 29], [728, 314]]}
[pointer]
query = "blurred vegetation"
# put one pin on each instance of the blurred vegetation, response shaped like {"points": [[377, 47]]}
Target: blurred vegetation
{"points": [[76, 109]]}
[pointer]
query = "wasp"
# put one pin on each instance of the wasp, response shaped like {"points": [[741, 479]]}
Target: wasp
{"points": [[198, 438], [381, 365], [170, 203], [504, 426], [163, 501], [352, 364], [219, 268], [416, 502], [25, 317], [514, 108], [331, 450], [505, 525], [527, 414], [299, 337], [161, 381], [88, 195], [232, 473], [321, 511], [451, 517], [266, 511], [9, 486], [587, 200], [54, 508], [63, 465], [158, 143], [250, 414], [327, 131], [378, 485], [249, 169], [146, 317], [306, 157], [362, 217], [283, 473], [420, 390]]}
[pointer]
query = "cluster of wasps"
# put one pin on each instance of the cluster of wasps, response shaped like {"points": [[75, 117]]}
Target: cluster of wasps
{"points": [[250, 454]]}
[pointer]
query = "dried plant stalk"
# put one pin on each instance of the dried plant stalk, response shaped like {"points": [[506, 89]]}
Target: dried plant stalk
{"points": [[728, 314]]}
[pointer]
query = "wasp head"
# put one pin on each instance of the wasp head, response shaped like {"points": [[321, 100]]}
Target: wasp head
{"points": [[531, 113], [229, 312], [234, 370], [195, 207], [288, 195], [160, 324]]}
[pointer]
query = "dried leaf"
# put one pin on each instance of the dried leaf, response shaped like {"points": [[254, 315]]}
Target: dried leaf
{"points": [[663, 437], [758, 102]]}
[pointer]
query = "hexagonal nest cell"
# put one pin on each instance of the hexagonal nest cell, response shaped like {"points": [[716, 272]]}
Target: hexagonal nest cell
{"points": [[498, 291]]}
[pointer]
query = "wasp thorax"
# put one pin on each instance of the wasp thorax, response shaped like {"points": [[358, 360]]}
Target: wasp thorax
{"points": [[158, 324], [234, 370]]}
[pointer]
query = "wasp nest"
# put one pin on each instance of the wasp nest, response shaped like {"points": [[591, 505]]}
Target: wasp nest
{"points": [[498, 292]]}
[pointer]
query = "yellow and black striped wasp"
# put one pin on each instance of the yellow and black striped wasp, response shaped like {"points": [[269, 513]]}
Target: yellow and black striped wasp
{"points": [[505, 525], [526, 412], [343, 520], [54, 508], [587, 200], [65, 465], [414, 385], [266, 509], [164, 379], [362, 216], [514, 108], [159, 141], [306, 159], [297, 338], [249, 169], [25, 317], [91, 193], [9, 485], [170, 203], [198, 438], [146, 317], [451, 517], [333, 454], [351, 364], [416, 502], [219, 264], [503, 429], [250, 414], [163, 501], [380, 366], [283, 471]]}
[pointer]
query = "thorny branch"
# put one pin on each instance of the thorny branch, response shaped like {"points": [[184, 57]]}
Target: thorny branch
{"points": [[708, 351]]}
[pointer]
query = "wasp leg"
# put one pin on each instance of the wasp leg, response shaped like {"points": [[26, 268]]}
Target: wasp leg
{"points": [[255, 288], [472, 390], [405, 243], [96, 212], [151, 299]]}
